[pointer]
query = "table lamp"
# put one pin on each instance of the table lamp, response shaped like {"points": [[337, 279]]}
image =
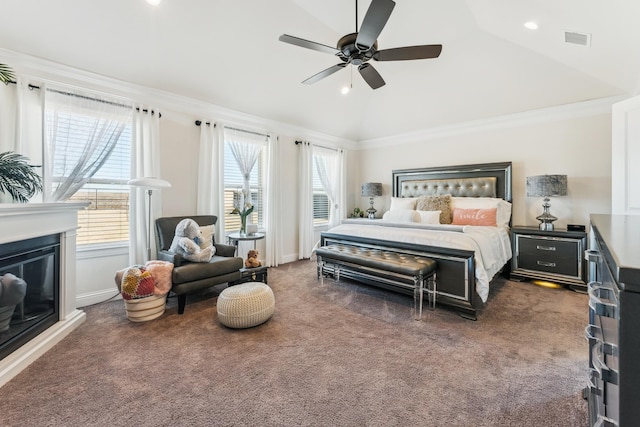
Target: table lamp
{"points": [[546, 186], [371, 190]]}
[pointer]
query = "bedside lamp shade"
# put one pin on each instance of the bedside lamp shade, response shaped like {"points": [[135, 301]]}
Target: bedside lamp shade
{"points": [[546, 186], [371, 190]]}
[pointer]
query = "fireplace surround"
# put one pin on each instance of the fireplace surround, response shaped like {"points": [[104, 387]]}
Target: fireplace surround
{"points": [[39, 241]]}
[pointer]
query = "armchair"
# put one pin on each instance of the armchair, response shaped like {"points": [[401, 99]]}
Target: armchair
{"points": [[189, 277]]}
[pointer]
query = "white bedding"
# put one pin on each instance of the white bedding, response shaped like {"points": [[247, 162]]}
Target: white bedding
{"points": [[491, 245]]}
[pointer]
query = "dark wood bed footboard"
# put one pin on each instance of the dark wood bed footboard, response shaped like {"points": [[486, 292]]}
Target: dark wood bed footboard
{"points": [[456, 270]]}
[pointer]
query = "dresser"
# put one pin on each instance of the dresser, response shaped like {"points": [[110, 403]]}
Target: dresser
{"points": [[613, 332]]}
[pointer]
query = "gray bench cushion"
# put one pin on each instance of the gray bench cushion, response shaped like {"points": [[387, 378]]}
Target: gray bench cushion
{"points": [[406, 264]]}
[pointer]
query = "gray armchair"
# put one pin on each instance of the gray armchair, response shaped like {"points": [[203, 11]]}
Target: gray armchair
{"points": [[189, 276]]}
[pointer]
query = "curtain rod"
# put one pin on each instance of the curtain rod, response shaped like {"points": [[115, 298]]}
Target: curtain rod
{"points": [[321, 146], [117, 104], [199, 122]]}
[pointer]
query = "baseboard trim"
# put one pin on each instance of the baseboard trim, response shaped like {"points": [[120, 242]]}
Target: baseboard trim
{"points": [[97, 297]]}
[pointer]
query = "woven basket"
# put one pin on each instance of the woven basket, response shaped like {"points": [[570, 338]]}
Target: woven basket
{"points": [[143, 309], [6, 313]]}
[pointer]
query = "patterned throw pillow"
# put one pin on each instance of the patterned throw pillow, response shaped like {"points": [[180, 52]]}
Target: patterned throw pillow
{"points": [[440, 203], [137, 283]]}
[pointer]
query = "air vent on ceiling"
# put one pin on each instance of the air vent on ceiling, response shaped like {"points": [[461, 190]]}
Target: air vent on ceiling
{"points": [[577, 38]]}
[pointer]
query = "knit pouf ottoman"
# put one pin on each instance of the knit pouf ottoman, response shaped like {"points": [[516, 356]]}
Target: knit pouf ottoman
{"points": [[245, 305]]}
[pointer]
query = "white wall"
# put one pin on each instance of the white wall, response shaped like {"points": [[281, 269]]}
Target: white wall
{"points": [[579, 147]]}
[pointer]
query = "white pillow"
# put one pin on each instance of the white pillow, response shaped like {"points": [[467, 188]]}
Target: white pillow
{"points": [[429, 217], [503, 208], [207, 235], [402, 215], [403, 203]]}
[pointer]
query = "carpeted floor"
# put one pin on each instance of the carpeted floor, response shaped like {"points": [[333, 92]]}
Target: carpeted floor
{"points": [[333, 354]]}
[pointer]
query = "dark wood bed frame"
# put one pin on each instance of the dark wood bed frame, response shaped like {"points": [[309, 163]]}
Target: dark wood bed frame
{"points": [[456, 268]]}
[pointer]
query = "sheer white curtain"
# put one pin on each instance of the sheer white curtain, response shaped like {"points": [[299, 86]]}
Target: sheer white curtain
{"points": [[8, 110], [104, 122], [29, 122], [272, 211], [305, 200], [341, 209], [246, 148], [145, 162], [331, 171], [21, 117], [210, 197]]}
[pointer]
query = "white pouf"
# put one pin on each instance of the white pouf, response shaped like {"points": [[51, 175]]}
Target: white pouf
{"points": [[246, 305]]}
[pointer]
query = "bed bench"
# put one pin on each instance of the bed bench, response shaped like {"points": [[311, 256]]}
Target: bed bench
{"points": [[407, 270]]}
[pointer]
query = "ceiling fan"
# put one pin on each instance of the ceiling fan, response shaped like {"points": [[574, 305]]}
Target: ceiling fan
{"points": [[360, 47]]}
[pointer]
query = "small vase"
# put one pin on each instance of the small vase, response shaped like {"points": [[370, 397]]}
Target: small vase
{"points": [[243, 225]]}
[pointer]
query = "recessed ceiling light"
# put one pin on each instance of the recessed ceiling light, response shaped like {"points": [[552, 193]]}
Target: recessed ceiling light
{"points": [[154, 2], [345, 90], [531, 25]]}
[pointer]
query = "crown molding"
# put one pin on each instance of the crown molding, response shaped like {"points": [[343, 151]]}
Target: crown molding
{"points": [[183, 109], [562, 112]]}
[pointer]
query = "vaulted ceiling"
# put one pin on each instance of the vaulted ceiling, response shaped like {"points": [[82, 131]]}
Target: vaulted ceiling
{"points": [[227, 53]]}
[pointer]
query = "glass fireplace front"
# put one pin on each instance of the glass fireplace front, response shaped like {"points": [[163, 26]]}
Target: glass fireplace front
{"points": [[29, 295]]}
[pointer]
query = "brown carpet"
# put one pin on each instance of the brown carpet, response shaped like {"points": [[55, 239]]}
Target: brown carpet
{"points": [[338, 354]]}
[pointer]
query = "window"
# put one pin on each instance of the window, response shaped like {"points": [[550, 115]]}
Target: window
{"points": [[89, 151], [234, 179], [320, 200]]}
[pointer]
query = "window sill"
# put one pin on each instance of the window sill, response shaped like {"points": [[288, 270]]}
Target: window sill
{"points": [[98, 250]]}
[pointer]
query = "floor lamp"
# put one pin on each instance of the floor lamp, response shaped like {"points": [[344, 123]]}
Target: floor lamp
{"points": [[150, 183]]}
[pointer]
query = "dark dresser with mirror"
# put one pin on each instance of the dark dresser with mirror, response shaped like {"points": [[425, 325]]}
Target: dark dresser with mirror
{"points": [[613, 332]]}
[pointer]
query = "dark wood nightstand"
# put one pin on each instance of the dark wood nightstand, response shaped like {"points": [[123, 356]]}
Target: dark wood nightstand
{"points": [[555, 256]]}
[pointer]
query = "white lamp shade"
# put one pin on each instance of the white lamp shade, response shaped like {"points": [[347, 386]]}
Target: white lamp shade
{"points": [[149, 182]]}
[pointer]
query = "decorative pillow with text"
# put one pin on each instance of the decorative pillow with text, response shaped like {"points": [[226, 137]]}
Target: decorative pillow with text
{"points": [[474, 217]]}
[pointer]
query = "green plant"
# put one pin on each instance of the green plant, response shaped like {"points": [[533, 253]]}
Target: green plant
{"points": [[6, 74], [18, 178], [357, 213]]}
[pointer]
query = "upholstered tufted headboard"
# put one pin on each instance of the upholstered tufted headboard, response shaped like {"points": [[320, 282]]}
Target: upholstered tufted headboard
{"points": [[460, 187], [481, 180]]}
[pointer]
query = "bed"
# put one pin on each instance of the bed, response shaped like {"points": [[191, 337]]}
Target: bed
{"points": [[470, 252]]}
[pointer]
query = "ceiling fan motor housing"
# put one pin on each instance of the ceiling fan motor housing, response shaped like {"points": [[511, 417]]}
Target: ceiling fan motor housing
{"points": [[349, 52]]}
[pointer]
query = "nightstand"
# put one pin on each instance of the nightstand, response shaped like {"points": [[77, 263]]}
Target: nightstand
{"points": [[555, 256]]}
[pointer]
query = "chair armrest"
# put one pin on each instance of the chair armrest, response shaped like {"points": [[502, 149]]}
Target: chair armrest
{"points": [[225, 250], [172, 257]]}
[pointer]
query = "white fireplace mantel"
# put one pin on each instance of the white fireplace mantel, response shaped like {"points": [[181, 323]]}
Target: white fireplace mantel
{"points": [[24, 221]]}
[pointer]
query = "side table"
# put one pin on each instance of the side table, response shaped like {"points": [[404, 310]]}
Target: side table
{"points": [[258, 274], [235, 238], [555, 255]]}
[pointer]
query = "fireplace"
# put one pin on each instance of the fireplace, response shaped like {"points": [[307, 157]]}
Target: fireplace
{"points": [[29, 303], [37, 245]]}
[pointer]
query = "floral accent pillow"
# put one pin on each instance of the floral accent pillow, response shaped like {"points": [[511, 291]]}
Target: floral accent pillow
{"points": [[440, 203], [474, 217]]}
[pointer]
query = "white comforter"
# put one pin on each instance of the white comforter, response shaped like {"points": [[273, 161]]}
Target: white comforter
{"points": [[491, 245]]}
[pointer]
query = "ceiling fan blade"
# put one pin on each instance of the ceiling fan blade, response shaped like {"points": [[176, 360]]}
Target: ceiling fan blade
{"points": [[371, 76], [409, 52], [373, 23], [297, 41], [324, 73]]}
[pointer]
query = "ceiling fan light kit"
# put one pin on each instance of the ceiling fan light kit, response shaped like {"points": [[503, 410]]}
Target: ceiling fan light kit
{"points": [[359, 48]]}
